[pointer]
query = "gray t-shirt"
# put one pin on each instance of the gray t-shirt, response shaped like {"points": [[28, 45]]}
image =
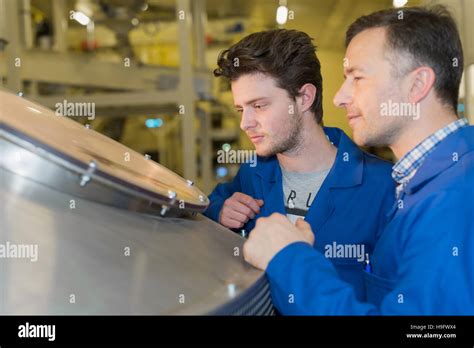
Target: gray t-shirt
{"points": [[299, 190]]}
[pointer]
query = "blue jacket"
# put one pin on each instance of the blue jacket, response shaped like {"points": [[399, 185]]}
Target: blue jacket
{"points": [[423, 263], [350, 207]]}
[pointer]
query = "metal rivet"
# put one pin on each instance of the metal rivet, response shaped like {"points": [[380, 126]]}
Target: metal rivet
{"points": [[231, 290], [147, 156], [164, 210], [20, 94], [201, 198], [87, 125], [171, 194], [86, 177], [189, 182]]}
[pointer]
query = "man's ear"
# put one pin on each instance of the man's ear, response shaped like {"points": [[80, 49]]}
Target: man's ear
{"points": [[307, 94], [422, 81]]}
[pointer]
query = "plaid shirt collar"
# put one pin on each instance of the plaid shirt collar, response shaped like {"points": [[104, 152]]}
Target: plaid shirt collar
{"points": [[407, 166]]}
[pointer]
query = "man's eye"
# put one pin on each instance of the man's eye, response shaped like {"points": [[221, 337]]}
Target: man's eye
{"points": [[357, 78], [239, 110], [259, 106]]}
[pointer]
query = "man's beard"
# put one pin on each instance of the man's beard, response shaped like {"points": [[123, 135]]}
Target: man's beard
{"points": [[292, 141], [380, 134], [385, 131]]}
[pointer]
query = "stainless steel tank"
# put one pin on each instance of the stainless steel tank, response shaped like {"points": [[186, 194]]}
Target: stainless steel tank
{"points": [[88, 226]]}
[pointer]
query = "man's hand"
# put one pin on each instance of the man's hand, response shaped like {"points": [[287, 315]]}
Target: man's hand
{"points": [[271, 235], [238, 209]]}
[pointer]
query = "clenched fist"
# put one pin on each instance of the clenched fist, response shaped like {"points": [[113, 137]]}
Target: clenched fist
{"points": [[271, 235], [238, 209]]}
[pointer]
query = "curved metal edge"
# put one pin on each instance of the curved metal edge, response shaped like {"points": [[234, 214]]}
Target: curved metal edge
{"points": [[256, 300], [48, 156]]}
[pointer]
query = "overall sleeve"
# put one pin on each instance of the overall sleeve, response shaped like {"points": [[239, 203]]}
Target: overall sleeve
{"points": [[304, 282], [435, 270]]}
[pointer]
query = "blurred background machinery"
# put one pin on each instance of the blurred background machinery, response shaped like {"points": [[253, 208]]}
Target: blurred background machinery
{"points": [[146, 65]]}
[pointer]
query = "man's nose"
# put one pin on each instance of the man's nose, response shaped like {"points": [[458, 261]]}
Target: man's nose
{"points": [[247, 120], [343, 96]]}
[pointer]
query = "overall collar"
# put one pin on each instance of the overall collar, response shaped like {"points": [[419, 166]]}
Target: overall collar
{"points": [[407, 166]]}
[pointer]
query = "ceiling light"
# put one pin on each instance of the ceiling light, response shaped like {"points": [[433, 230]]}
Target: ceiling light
{"points": [[282, 14], [399, 3], [81, 18]]}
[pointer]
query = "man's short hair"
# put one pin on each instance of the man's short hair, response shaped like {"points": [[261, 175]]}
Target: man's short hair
{"points": [[288, 56], [430, 38]]}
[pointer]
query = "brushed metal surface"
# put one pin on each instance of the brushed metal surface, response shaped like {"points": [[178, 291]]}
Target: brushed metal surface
{"points": [[81, 252]]}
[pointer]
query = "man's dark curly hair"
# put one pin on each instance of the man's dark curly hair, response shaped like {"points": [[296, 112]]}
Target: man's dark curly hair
{"points": [[288, 56]]}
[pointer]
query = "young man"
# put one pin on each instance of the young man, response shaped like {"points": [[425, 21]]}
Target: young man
{"points": [[303, 169], [423, 261]]}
